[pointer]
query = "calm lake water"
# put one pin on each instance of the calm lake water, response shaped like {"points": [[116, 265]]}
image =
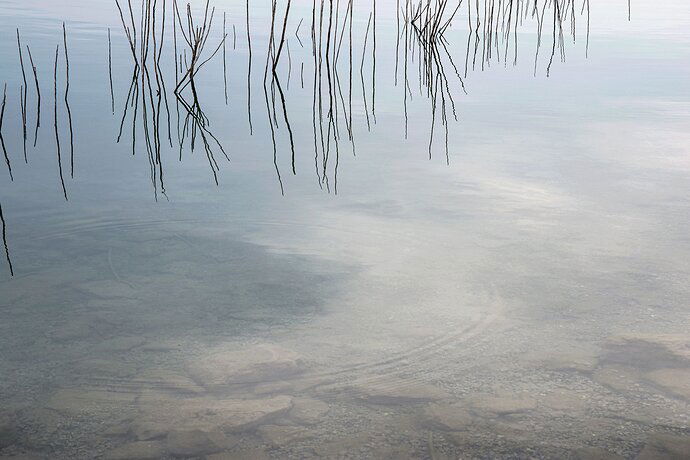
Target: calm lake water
{"points": [[390, 236]]}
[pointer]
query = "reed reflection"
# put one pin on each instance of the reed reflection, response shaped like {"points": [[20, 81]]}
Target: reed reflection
{"points": [[422, 43], [196, 123]]}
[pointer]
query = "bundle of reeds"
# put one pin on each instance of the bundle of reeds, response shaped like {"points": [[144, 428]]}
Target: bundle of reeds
{"points": [[196, 35]]}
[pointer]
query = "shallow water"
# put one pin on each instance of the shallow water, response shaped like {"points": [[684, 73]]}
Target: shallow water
{"points": [[510, 284]]}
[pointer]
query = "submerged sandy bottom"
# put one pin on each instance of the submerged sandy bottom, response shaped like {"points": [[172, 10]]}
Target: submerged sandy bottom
{"points": [[524, 297], [124, 371], [266, 401]]}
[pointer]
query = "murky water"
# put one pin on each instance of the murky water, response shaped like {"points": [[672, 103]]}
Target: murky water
{"points": [[379, 240]]}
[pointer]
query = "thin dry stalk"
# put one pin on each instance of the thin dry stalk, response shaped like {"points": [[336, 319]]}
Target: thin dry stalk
{"points": [[2, 139], [4, 241]]}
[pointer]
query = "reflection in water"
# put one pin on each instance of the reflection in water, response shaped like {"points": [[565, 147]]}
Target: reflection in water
{"points": [[23, 92], [4, 241], [195, 121], [110, 73], [69, 111], [55, 121], [249, 74], [328, 100], [272, 60], [141, 85], [38, 94], [492, 31], [426, 38], [2, 139], [492, 307], [225, 61]]}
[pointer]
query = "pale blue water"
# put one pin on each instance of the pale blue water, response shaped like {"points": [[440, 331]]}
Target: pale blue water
{"points": [[524, 295]]}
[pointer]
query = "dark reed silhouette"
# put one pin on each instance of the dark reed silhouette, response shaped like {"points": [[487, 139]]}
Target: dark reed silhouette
{"points": [[492, 37], [361, 73], [67, 106], [249, 75], [276, 80], [4, 241], [225, 63], [373, 66], [196, 122], [270, 107], [38, 95], [297, 33], [420, 34], [147, 94], [55, 122], [110, 73], [2, 139], [23, 94], [427, 27]]}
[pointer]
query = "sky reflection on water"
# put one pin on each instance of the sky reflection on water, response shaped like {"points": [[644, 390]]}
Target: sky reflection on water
{"points": [[474, 261]]}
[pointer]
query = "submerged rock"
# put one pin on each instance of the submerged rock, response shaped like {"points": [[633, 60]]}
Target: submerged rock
{"points": [[308, 411], [139, 450], [674, 381], [46, 421], [162, 413], [617, 378], [665, 447], [145, 430], [343, 446], [75, 401], [167, 380], [194, 443], [392, 392], [117, 430], [249, 454], [564, 401], [646, 351], [280, 435], [8, 433], [450, 417], [573, 360], [595, 453], [253, 365], [399, 453], [504, 405]]}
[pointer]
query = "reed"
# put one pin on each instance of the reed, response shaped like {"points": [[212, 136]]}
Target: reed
{"points": [[225, 70], [147, 97], [23, 94], [196, 122], [2, 139], [271, 114], [38, 95], [297, 33], [67, 106], [373, 67], [4, 241], [110, 73], [55, 122], [276, 80], [361, 73], [421, 29], [249, 75]]}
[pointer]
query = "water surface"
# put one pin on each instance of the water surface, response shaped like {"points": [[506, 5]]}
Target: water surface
{"points": [[464, 246]]}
